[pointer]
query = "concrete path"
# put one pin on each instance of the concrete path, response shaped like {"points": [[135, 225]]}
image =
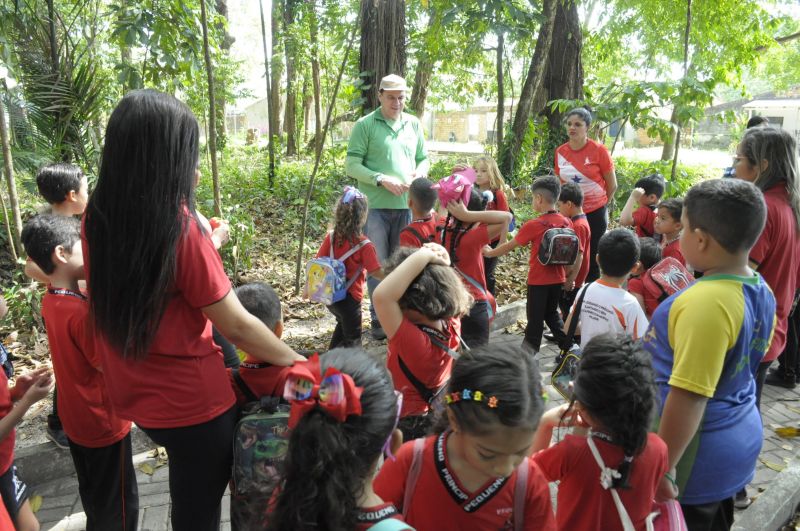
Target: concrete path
{"points": [[61, 507]]}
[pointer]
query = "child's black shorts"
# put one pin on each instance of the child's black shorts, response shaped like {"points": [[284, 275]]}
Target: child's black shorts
{"points": [[13, 490]]}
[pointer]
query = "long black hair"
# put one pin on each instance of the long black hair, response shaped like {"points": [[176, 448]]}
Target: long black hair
{"points": [[136, 215], [477, 203], [328, 461], [504, 371], [614, 383]]}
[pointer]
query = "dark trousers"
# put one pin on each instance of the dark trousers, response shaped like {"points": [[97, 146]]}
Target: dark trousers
{"points": [[789, 360], [489, 265], [53, 421], [348, 323], [475, 326], [542, 306], [715, 516], [761, 375], [107, 485], [566, 301], [598, 223], [200, 459]]}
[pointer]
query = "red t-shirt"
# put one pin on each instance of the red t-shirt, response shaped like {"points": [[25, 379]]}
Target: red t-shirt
{"points": [[428, 229], [498, 203], [182, 380], [673, 249], [469, 258], [777, 253], [7, 443], [366, 258], [428, 363], [440, 501], [83, 403], [636, 285], [5, 520], [532, 232], [584, 232], [582, 502], [263, 379], [586, 167], [643, 218], [369, 516]]}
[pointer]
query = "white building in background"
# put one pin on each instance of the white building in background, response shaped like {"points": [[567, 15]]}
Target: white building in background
{"points": [[783, 113]]}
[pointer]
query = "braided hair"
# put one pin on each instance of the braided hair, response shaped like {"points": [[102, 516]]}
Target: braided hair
{"points": [[477, 203], [614, 383]]}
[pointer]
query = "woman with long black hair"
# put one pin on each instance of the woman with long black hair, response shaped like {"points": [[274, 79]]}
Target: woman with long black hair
{"points": [[156, 284]]}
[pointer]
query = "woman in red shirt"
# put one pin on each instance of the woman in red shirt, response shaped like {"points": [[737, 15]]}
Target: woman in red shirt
{"points": [[583, 161], [156, 284]]}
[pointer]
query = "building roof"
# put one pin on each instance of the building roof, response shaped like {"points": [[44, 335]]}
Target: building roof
{"points": [[786, 103]]}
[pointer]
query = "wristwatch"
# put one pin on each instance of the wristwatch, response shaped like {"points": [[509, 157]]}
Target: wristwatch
{"points": [[379, 180]]}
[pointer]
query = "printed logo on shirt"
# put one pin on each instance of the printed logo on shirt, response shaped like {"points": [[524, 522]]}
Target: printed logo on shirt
{"points": [[452, 487], [587, 161], [376, 516]]}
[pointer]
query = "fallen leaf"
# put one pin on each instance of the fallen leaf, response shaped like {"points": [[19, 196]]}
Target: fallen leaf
{"points": [[147, 468], [788, 447], [36, 503], [772, 466], [787, 432]]}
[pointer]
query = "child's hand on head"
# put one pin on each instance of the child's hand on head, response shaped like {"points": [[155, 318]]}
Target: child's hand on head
{"points": [[439, 254], [457, 209], [637, 193], [459, 167]]}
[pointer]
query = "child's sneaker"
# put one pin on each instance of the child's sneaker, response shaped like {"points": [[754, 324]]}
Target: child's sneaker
{"points": [[742, 500], [58, 437]]}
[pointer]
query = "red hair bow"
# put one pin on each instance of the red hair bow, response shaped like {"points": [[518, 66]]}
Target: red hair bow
{"points": [[335, 392]]}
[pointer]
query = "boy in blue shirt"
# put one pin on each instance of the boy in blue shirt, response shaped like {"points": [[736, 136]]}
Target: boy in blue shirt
{"points": [[707, 342]]}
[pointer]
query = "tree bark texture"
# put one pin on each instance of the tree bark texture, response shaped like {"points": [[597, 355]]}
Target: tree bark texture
{"points": [[212, 129], [383, 44], [314, 30], [530, 90], [501, 96], [270, 108], [290, 48], [219, 83], [8, 169], [276, 66]]}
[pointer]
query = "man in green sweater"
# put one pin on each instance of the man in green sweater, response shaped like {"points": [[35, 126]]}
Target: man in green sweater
{"points": [[386, 152]]}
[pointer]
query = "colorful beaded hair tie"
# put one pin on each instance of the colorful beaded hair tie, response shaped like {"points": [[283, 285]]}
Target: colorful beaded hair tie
{"points": [[472, 396]]}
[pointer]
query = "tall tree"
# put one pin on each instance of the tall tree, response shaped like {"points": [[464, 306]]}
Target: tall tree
{"points": [[290, 49], [270, 108], [8, 169], [383, 45], [314, 35], [212, 115], [276, 66], [220, 83]]}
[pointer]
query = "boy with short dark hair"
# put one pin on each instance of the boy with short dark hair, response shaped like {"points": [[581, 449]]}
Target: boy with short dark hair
{"points": [[707, 342], [607, 307], [668, 225], [649, 255], [544, 281], [425, 223], [260, 378], [570, 205], [99, 441], [646, 193]]}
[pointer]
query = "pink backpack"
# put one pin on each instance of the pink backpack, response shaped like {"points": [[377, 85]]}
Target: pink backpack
{"points": [[520, 486], [455, 187]]}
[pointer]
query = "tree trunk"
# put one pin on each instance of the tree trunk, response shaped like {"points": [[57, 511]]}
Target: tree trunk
{"points": [[270, 108], [685, 73], [276, 66], [290, 48], [501, 96], [314, 25], [530, 90], [669, 145], [14, 242], [219, 83], [422, 75], [212, 115], [51, 22], [383, 44], [308, 101]]}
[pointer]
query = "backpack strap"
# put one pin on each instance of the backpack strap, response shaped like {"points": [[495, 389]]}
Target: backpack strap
{"points": [[606, 474], [477, 285], [520, 491], [353, 250], [573, 324], [427, 394], [243, 387], [416, 234], [413, 474]]}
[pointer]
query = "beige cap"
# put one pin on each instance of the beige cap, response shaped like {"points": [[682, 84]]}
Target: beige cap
{"points": [[393, 82]]}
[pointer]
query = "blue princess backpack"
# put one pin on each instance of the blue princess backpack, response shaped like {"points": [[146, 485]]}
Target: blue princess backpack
{"points": [[326, 276]]}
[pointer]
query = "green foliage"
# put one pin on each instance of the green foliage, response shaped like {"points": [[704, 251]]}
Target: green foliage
{"points": [[24, 302]]}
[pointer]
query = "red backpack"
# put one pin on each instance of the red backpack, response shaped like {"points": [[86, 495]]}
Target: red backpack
{"points": [[665, 278]]}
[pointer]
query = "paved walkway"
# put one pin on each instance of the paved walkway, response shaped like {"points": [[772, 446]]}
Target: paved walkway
{"points": [[61, 507]]}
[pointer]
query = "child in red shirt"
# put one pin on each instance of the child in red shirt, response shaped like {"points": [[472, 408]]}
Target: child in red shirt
{"points": [[646, 193], [99, 441], [419, 304], [544, 281], [468, 229], [668, 225], [649, 255], [570, 205], [259, 378], [474, 472], [425, 224], [488, 178], [613, 403], [337, 444], [350, 218]]}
